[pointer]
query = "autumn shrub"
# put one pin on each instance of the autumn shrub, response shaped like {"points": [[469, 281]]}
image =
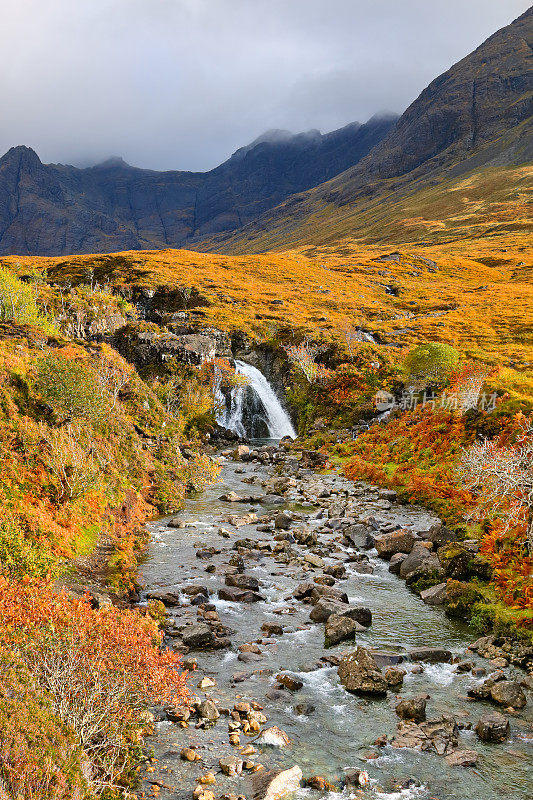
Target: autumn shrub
{"points": [[72, 388], [100, 669], [18, 304], [40, 758]]}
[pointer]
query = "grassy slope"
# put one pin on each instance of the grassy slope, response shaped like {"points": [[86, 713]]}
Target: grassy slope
{"points": [[428, 210], [479, 297]]}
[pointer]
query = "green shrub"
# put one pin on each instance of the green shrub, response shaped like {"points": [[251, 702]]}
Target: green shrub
{"points": [[18, 304], [431, 362], [72, 388]]}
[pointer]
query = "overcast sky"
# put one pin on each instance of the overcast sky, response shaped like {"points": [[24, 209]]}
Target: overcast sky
{"points": [[181, 84]]}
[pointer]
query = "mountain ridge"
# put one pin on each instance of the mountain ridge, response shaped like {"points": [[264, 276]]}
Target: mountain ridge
{"points": [[475, 115], [58, 209]]}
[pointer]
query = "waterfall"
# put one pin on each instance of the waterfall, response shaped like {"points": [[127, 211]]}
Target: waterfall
{"points": [[254, 410]]}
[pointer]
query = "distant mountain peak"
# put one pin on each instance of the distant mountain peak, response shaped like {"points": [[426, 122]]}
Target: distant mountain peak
{"points": [[21, 153], [113, 162]]}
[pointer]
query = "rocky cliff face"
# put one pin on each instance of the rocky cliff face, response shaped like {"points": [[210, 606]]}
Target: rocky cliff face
{"points": [[54, 209]]}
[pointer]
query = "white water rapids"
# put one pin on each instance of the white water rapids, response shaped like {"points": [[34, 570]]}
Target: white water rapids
{"points": [[276, 418]]}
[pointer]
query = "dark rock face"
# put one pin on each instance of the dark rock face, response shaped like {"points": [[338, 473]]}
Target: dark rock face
{"points": [[53, 209]]}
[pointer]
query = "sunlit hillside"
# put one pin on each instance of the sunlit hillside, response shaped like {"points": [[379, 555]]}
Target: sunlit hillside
{"points": [[475, 293]]}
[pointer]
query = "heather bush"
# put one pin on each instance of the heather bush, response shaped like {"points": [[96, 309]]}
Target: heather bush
{"points": [[39, 757]]}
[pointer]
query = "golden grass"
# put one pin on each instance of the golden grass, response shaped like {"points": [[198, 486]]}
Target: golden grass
{"points": [[478, 297]]}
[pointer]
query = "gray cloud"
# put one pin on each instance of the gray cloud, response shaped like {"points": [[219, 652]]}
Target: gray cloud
{"points": [[180, 84]]}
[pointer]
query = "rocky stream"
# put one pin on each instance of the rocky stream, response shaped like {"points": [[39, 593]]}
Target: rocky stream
{"points": [[317, 670]]}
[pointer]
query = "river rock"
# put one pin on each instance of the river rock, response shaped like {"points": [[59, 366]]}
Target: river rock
{"points": [[435, 595], [230, 497], [314, 560], [340, 628], [337, 571], [208, 710], [304, 709], [272, 629], [283, 521], [508, 694], [387, 544], [440, 535], [235, 595], [418, 563], [386, 658], [394, 677], [493, 727], [168, 598], [325, 607], [242, 581], [274, 737], [396, 562], [290, 682], [433, 655], [462, 758], [359, 535], [231, 766], [359, 674], [176, 522], [438, 735], [412, 708], [199, 635], [274, 785]]}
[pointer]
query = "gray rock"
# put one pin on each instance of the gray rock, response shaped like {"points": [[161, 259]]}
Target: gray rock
{"points": [[435, 595], [198, 636], [325, 607], [396, 563], [418, 563]]}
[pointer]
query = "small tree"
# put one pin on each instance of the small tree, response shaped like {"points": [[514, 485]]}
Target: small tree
{"points": [[431, 362], [72, 388], [304, 356], [502, 476], [18, 304]]}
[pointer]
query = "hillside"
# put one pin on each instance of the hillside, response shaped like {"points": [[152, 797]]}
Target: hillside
{"points": [[474, 293], [471, 123], [53, 209]]}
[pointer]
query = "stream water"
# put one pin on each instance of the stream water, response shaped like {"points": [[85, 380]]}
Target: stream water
{"points": [[340, 732]]}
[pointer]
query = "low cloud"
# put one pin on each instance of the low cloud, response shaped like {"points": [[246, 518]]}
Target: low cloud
{"points": [[181, 84]]}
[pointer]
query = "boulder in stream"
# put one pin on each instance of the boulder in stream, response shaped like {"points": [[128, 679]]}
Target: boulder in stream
{"points": [[274, 785], [493, 727], [387, 544], [359, 674]]}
